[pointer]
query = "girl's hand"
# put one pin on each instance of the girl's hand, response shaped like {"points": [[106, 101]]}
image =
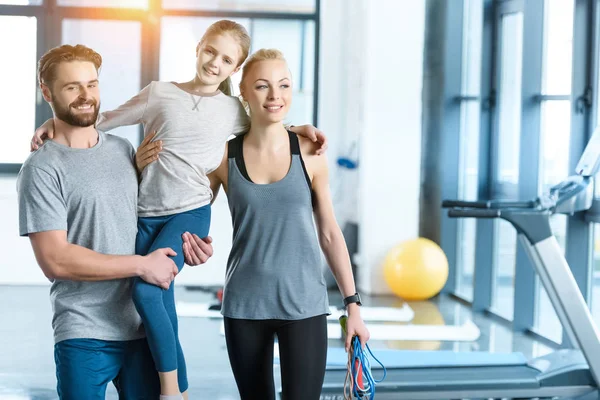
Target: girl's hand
{"points": [[147, 153], [196, 250], [46, 131], [356, 327], [313, 134]]}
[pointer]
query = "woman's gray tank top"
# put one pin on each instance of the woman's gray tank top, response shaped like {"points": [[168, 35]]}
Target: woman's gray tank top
{"points": [[274, 269]]}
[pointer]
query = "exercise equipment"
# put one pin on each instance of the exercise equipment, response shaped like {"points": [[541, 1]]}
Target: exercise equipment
{"points": [[563, 374], [416, 269]]}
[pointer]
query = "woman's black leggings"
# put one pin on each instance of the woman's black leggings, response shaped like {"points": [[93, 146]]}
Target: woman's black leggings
{"points": [[302, 356]]}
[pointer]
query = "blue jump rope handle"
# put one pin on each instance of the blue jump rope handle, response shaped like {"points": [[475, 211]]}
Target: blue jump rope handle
{"points": [[358, 352]]}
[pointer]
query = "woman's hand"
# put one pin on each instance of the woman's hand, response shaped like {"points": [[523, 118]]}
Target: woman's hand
{"points": [[355, 326], [46, 131], [147, 152]]}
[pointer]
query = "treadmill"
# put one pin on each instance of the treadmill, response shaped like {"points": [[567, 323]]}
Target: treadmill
{"points": [[563, 374]]}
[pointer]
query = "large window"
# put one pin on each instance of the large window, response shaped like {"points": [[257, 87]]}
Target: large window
{"points": [[469, 140], [596, 276], [595, 268], [119, 44], [555, 131], [303, 6], [140, 41], [18, 83], [179, 37], [105, 3], [295, 39], [538, 103], [20, 2], [506, 179]]}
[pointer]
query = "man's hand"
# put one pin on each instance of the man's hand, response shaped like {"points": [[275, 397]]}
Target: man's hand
{"points": [[158, 269], [196, 250], [313, 134]]}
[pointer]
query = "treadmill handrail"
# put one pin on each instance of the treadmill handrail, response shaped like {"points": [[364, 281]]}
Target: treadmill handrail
{"points": [[462, 203], [474, 213], [485, 204]]}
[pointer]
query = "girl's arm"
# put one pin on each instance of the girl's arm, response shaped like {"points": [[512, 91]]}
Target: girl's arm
{"points": [[130, 113], [313, 134], [333, 244]]}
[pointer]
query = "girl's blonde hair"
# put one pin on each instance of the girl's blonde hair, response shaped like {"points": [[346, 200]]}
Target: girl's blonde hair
{"points": [[239, 33]]}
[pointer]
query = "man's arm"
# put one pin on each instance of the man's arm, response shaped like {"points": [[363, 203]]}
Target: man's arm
{"points": [[218, 177], [62, 260]]}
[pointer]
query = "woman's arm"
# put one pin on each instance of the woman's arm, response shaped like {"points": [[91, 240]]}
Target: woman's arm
{"points": [[332, 242], [331, 238]]}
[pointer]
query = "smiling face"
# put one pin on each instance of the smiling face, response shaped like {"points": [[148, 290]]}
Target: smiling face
{"points": [[74, 94], [267, 87], [217, 58]]}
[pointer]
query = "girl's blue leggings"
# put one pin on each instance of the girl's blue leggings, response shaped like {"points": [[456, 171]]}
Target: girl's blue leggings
{"points": [[155, 305]]}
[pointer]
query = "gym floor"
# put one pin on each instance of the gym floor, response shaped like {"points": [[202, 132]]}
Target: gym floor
{"points": [[26, 345]]}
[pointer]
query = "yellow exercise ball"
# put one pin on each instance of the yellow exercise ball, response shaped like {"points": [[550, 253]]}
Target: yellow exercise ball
{"points": [[416, 269]]}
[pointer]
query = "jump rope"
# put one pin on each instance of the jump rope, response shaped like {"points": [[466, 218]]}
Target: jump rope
{"points": [[359, 382]]}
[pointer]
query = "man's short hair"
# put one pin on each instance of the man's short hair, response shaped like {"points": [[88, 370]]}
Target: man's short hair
{"points": [[65, 53]]}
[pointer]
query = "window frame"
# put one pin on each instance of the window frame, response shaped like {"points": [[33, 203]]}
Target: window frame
{"points": [[49, 33]]}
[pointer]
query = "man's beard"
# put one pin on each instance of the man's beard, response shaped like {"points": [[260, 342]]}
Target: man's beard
{"points": [[68, 115]]}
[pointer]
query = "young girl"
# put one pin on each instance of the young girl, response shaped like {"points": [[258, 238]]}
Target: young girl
{"points": [[192, 121], [274, 283]]}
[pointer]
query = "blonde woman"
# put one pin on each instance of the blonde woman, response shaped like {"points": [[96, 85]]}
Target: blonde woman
{"points": [[274, 284]]}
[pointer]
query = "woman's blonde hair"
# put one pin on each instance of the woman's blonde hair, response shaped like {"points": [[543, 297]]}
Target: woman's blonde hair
{"points": [[260, 55], [239, 33]]}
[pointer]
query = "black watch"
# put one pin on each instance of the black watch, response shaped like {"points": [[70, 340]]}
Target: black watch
{"points": [[355, 298]]}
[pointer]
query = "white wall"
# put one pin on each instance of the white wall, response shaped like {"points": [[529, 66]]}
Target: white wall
{"points": [[371, 84], [17, 263]]}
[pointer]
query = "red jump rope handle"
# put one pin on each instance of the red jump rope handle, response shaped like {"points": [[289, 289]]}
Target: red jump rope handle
{"points": [[359, 377]]}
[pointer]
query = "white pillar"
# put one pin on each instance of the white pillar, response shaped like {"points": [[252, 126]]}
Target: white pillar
{"points": [[371, 89]]}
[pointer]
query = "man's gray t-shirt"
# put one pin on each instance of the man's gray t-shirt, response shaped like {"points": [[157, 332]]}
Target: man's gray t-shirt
{"points": [[92, 194]]}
